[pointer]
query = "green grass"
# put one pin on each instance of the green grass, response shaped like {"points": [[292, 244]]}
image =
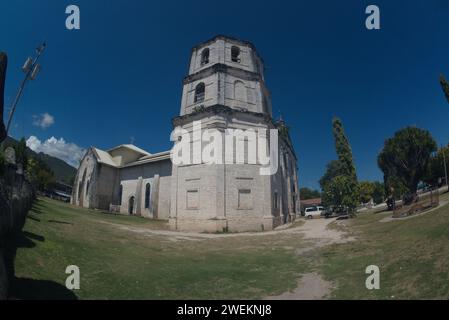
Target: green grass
{"points": [[120, 264], [412, 254], [115, 263]]}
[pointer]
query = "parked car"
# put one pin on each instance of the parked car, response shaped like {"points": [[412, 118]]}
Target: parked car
{"points": [[328, 213], [313, 212]]}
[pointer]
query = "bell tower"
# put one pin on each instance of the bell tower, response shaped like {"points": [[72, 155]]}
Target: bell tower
{"points": [[225, 104], [228, 72]]}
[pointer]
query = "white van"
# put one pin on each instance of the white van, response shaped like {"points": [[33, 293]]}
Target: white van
{"points": [[313, 212]]}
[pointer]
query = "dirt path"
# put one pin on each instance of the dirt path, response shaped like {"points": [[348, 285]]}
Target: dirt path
{"points": [[310, 287], [316, 232]]}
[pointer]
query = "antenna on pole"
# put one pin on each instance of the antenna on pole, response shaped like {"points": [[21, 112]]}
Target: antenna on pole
{"points": [[31, 68]]}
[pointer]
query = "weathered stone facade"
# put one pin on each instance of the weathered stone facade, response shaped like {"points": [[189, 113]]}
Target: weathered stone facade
{"points": [[224, 90]]}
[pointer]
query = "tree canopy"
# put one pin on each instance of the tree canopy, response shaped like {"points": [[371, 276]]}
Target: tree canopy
{"points": [[372, 190], [342, 191], [39, 174], [436, 166], [332, 170], [343, 150], [405, 157], [445, 86], [339, 183], [307, 193]]}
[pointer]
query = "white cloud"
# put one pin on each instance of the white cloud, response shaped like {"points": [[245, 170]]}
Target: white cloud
{"points": [[44, 120], [59, 148]]}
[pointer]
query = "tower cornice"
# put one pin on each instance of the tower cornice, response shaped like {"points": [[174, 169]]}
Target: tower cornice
{"points": [[220, 67]]}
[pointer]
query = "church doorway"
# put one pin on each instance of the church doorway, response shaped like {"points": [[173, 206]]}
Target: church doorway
{"points": [[131, 205]]}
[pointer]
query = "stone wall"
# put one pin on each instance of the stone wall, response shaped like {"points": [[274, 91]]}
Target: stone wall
{"points": [[16, 198]]}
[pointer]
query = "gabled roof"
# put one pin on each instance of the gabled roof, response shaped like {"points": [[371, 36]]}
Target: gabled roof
{"points": [[151, 158], [104, 157], [131, 147]]}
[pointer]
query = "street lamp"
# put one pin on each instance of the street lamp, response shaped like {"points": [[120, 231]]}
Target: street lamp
{"points": [[31, 69]]}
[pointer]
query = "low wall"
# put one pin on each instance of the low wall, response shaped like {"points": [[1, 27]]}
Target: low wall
{"points": [[16, 199]]}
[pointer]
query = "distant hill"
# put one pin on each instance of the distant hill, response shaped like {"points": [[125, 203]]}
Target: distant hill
{"points": [[62, 170]]}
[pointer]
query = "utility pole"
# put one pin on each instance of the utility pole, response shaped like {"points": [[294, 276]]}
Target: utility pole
{"points": [[31, 69]]}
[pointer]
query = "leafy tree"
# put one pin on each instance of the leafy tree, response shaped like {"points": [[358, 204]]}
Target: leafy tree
{"points": [[405, 157], [395, 187], [39, 174], [366, 191], [21, 153], [307, 193], [332, 171], [378, 192], [372, 190], [340, 193], [70, 181], [339, 183], [343, 149], [436, 166], [445, 86]]}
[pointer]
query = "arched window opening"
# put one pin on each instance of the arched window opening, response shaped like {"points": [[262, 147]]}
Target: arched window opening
{"points": [[87, 187], [200, 92], [235, 54], [131, 205], [205, 56], [80, 189], [120, 192], [147, 196], [81, 183]]}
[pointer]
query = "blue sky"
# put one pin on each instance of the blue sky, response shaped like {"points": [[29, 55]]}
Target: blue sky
{"points": [[120, 76]]}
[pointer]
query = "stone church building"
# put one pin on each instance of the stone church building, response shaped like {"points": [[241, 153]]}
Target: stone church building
{"points": [[224, 89]]}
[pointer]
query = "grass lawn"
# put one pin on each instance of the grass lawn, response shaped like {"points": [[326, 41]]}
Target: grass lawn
{"points": [[412, 254], [413, 257], [120, 264]]}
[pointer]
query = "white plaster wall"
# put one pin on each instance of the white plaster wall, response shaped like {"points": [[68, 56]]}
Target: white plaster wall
{"points": [[87, 165], [220, 52], [129, 179]]}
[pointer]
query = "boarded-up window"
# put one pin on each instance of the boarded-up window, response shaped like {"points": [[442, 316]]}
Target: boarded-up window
{"points": [[240, 91], [250, 95], [245, 200], [192, 199]]}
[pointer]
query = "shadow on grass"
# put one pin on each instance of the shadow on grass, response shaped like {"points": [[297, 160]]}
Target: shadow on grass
{"points": [[37, 207], [33, 218], [25, 240], [30, 289]]}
